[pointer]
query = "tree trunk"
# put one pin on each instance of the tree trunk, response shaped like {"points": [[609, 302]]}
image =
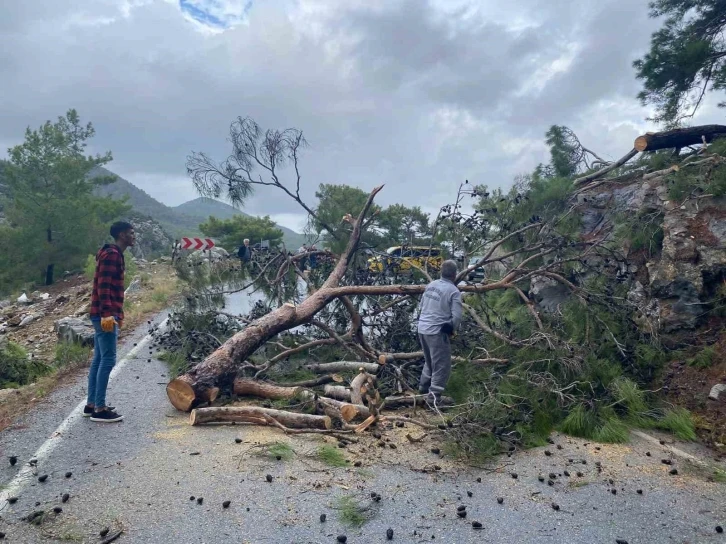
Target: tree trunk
{"points": [[343, 366], [188, 390], [417, 400], [339, 392], [49, 274], [679, 137], [609, 168], [254, 388], [254, 414]]}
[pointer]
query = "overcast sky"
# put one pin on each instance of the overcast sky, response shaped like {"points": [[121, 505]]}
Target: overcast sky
{"points": [[416, 94]]}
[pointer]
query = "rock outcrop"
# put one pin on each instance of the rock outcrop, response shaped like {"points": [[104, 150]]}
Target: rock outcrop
{"points": [[674, 280], [151, 239], [74, 329]]}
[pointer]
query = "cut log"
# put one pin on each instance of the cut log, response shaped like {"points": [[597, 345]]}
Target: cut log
{"points": [[255, 388], [338, 392], [322, 380], [357, 386], [196, 386], [413, 400], [348, 411], [679, 137], [255, 414], [343, 366]]}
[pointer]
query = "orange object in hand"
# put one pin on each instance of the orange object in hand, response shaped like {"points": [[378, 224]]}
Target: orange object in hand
{"points": [[107, 324]]}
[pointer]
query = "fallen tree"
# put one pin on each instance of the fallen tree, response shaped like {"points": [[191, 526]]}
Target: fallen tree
{"points": [[199, 384], [528, 243]]}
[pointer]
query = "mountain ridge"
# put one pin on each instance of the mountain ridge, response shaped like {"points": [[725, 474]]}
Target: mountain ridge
{"points": [[181, 220]]}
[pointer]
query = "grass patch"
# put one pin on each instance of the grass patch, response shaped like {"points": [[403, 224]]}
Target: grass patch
{"points": [[719, 476], [599, 425], [280, 449], [176, 361], [351, 513], [705, 358], [330, 455], [705, 471], [70, 354], [680, 422]]}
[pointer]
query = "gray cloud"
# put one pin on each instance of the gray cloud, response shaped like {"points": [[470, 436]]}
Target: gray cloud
{"points": [[415, 94]]}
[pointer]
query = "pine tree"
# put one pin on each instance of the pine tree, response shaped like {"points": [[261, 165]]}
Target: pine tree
{"points": [[687, 58]]}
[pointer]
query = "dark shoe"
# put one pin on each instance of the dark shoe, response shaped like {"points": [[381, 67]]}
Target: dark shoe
{"points": [[88, 411], [432, 401], [106, 416]]}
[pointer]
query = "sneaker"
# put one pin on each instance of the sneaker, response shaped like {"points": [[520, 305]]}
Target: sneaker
{"points": [[106, 416], [88, 411]]}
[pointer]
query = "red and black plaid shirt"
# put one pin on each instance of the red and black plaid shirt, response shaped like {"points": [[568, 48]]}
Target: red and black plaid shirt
{"points": [[107, 299]]}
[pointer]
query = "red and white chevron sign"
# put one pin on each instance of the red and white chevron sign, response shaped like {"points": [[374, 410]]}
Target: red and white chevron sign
{"points": [[196, 243]]}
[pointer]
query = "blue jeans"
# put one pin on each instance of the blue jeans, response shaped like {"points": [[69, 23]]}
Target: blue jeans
{"points": [[104, 359]]}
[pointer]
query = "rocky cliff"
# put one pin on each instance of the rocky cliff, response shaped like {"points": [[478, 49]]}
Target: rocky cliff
{"points": [[671, 230], [152, 240]]}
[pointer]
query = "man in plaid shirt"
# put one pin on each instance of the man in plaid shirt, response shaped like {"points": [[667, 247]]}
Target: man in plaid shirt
{"points": [[107, 316]]}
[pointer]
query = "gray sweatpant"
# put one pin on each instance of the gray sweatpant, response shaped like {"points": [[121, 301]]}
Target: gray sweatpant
{"points": [[437, 368]]}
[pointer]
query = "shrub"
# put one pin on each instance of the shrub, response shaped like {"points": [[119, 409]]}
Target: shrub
{"points": [[71, 354], [15, 367]]}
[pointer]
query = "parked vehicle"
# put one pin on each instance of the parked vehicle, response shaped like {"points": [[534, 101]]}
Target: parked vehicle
{"points": [[478, 274], [405, 259]]}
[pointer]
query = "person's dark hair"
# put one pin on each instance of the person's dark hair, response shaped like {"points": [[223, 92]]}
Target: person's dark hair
{"points": [[118, 227], [448, 270]]}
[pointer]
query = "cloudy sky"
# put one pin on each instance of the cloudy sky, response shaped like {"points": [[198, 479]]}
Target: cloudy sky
{"points": [[416, 94]]}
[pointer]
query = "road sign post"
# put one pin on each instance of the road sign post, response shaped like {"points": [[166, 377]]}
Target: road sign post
{"points": [[197, 243]]}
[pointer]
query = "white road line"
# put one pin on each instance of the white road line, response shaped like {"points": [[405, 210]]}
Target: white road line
{"points": [[26, 473]]}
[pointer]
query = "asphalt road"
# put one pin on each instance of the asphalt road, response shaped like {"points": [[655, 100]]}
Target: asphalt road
{"points": [[138, 476]]}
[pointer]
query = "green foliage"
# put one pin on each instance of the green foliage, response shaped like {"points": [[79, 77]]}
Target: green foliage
{"points": [[16, 369], [351, 513], [71, 354], [330, 455], [679, 421], [600, 425], [642, 232], [687, 57], [705, 358], [232, 232], [54, 217], [176, 361], [403, 225], [283, 450], [334, 202]]}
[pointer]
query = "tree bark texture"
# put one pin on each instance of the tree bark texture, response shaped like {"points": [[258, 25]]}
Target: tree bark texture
{"points": [[259, 416]]}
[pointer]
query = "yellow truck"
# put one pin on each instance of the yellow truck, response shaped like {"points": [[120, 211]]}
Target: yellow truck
{"points": [[399, 259]]}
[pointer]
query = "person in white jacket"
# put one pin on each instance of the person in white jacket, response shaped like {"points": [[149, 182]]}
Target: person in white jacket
{"points": [[440, 315]]}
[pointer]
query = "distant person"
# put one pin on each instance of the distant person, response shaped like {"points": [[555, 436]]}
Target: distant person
{"points": [[245, 252], [302, 251], [313, 257], [107, 316], [440, 315]]}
